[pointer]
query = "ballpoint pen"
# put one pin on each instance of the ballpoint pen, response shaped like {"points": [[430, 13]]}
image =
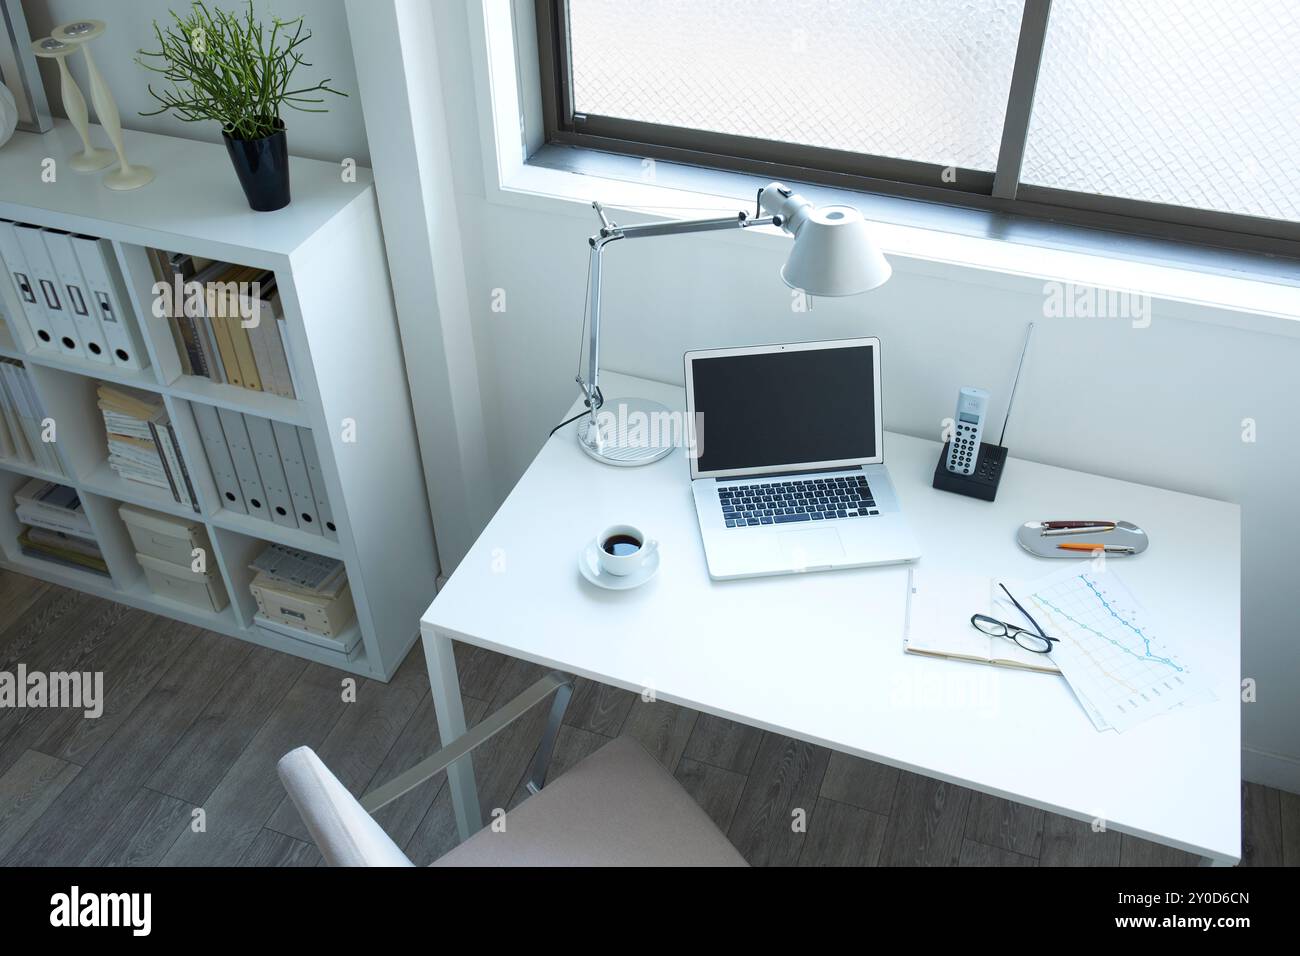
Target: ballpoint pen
{"points": [[1051, 528], [1096, 546]]}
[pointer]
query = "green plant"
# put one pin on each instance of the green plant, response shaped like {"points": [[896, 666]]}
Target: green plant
{"points": [[227, 67]]}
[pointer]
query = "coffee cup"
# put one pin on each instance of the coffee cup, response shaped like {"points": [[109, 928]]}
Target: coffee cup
{"points": [[623, 549]]}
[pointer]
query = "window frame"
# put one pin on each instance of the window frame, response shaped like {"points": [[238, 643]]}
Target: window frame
{"points": [[1000, 192]]}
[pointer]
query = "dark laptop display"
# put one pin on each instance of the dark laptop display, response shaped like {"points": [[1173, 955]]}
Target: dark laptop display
{"points": [[785, 408]]}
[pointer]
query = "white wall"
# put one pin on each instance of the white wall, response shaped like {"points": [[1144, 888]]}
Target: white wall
{"points": [[1162, 405], [328, 136]]}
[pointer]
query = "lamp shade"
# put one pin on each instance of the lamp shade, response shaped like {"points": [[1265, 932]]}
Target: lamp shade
{"points": [[833, 254]]}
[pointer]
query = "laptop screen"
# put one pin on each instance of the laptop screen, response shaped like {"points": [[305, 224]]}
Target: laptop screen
{"points": [[794, 407]]}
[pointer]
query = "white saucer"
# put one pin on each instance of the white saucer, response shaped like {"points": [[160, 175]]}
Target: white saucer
{"points": [[589, 565]]}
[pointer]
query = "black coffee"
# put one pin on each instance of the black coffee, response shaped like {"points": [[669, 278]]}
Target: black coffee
{"points": [[620, 545]]}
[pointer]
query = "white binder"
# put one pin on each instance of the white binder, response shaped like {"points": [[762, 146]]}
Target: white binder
{"points": [[25, 287], [48, 293], [271, 470], [223, 469], [107, 294], [309, 456], [241, 456], [76, 297], [295, 473]]}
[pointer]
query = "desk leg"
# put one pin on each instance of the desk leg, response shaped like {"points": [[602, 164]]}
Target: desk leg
{"points": [[444, 684]]}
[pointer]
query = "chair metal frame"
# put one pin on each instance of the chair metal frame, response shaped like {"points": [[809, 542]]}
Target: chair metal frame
{"points": [[555, 682]]}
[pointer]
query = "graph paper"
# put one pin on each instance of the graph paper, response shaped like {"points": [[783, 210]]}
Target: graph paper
{"points": [[1109, 649]]}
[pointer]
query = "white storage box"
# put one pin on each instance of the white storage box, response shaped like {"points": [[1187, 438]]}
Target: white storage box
{"points": [[178, 583], [164, 537], [314, 613]]}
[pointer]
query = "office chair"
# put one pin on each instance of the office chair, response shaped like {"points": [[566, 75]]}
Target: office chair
{"points": [[618, 807]]}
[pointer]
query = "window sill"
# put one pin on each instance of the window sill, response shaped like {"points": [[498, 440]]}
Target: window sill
{"points": [[1245, 290]]}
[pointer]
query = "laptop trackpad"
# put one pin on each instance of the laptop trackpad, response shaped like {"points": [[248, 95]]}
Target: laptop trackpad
{"points": [[811, 548]]}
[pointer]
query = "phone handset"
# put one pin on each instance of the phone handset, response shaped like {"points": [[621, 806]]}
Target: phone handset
{"points": [[968, 430]]}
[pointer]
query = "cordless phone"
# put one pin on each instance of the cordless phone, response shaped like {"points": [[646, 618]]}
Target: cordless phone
{"points": [[968, 422]]}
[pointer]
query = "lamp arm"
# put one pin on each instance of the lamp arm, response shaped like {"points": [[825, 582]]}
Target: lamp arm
{"points": [[611, 231]]}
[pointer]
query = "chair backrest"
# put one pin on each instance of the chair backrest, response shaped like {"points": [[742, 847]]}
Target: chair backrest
{"points": [[345, 833]]}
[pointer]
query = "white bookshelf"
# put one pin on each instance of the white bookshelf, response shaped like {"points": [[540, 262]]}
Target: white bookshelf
{"points": [[326, 251]]}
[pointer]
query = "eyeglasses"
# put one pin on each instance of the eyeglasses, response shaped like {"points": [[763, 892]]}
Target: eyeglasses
{"points": [[1035, 640]]}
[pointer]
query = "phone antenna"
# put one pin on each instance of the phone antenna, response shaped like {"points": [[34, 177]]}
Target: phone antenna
{"points": [[1029, 333]]}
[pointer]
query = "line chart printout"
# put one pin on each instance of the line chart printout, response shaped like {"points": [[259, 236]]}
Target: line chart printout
{"points": [[1109, 650]]}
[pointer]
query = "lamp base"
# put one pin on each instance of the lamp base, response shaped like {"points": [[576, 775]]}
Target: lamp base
{"points": [[628, 432]]}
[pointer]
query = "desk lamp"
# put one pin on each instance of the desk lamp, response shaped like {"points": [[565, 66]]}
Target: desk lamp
{"points": [[832, 255]]}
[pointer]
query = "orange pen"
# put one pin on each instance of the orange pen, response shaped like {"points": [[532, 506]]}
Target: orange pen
{"points": [[1096, 546]]}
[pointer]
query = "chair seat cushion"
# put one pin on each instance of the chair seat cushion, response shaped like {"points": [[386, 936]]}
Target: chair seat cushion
{"points": [[618, 807]]}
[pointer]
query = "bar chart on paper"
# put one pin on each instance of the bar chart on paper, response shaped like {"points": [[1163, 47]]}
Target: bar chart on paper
{"points": [[1109, 652]]}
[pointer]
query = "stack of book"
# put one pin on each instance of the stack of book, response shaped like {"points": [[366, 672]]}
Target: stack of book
{"points": [[227, 322], [142, 443], [56, 528], [22, 428], [304, 596]]}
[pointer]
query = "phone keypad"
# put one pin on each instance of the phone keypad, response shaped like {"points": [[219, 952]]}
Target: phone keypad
{"points": [[965, 449]]}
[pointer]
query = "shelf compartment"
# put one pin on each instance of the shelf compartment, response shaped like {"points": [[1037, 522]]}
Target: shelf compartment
{"points": [[271, 532]]}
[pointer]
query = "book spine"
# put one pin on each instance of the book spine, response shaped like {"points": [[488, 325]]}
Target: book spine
{"points": [[185, 472], [162, 455]]}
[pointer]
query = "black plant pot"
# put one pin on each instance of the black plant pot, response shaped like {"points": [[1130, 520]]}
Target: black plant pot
{"points": [[263, 168]]}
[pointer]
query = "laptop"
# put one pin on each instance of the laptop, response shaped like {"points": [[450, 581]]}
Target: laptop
{"points": [[788, 465]]}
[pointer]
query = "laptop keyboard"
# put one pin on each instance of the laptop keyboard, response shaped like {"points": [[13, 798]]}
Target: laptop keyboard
{"points": [[787, 502]]}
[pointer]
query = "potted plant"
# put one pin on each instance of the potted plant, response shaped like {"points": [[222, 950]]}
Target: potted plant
{"points": [[231, 68]]}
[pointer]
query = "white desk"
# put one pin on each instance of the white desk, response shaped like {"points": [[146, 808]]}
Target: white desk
{"points": [[800, 655]]}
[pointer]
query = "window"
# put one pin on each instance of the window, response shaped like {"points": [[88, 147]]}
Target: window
{"points": [[1167, 117]]}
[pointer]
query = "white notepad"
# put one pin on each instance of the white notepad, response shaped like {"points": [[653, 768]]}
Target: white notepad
{"points": [[939, 624]]}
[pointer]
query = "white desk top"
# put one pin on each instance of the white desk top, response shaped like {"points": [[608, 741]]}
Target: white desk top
{"points": [[801, 655]]}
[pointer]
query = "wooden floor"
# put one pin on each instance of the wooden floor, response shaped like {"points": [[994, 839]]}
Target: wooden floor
{"points": [[197, 720]]}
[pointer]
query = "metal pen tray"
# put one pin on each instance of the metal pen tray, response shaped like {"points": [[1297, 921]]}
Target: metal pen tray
{"points": [[1126, 534]]}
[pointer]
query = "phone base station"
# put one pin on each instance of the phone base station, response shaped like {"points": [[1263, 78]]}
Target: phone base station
{"points": [[983, 484]]}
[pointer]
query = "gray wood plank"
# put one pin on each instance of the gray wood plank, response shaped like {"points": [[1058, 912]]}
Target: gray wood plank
{"points": [[860, 783], [480, 671], [18, 593], [661, 728], [717, 791], [251, 790], [192, 769], [1290, 812], [843, 835], [67, 631], [598, 707], [1135, 851], [723, 743], [94, 799], [270, 848], [1261, 825], [419, 738], [145, 829], [436, 832], [27, 789], [1069, 842], [926, 824], [358, 742], [785, 777], [140, 649], [979, 854], [52, 622], [1005, 825]]}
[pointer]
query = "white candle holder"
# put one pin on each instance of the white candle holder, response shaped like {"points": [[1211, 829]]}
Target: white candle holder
{"points": [[79, 34], [74, 105]]}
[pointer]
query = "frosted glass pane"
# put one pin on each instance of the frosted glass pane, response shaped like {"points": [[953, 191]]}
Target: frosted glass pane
{"points": [[925, 80], [1188, 102]]}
